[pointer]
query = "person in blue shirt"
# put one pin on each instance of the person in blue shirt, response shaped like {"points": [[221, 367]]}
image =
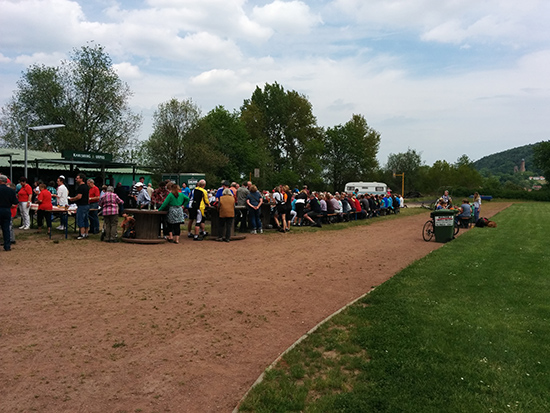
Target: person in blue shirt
{"points": [[185, 190]]}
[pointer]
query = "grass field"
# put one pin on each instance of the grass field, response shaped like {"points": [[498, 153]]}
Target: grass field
{"points": [[465, 329]]}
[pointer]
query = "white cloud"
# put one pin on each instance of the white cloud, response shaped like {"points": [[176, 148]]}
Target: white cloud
{"points": [[127, 71], [39, 24], [292, 17], [499, 21], [48, 59], [4, 59]]}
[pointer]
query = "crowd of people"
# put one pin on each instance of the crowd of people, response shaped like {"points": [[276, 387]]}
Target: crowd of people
{"points": [[466, 210], [242, 207]]}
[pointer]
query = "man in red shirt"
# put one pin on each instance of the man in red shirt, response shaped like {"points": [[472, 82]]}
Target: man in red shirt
{"points": [[24, 196], [94, 205]]}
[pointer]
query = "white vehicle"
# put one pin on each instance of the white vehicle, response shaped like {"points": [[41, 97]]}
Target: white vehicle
{"points": [[377, 188]]}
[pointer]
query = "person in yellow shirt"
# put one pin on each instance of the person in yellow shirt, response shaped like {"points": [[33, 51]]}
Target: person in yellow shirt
{"points": [[197, 210]]}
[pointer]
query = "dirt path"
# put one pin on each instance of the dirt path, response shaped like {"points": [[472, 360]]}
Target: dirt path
{"points": [[96, 327]]}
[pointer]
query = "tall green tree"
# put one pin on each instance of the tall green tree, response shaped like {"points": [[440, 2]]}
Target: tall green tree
{"points": [[180, 142], [281, 124], [541, 157], [85, 94], [408, 163], [232, 142], [350, 152], [466, 175]]}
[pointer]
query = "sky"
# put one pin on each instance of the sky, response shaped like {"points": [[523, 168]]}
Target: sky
{"points": [[443, 77]]}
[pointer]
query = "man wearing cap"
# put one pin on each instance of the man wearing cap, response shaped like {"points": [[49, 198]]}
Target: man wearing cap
{"points": [[62, 200], [143, 199], [7, 201], [134, 191]]}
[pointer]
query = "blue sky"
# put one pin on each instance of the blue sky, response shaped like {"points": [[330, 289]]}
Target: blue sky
{"points": [[442, 77]]}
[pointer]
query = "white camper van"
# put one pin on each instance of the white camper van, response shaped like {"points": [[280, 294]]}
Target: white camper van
{"points": [[378, 188]]}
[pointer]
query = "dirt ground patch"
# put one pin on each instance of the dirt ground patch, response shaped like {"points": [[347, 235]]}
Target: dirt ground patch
{"points": [[96, 327]]}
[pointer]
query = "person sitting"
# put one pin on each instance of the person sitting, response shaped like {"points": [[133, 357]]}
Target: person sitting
{"points": [[441, 204], [383, 205], [314, 215], [324, 208], [465, 212], [346, 207]]}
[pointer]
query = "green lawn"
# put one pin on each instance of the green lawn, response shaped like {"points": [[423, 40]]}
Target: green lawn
{"points": [[465, 329]]}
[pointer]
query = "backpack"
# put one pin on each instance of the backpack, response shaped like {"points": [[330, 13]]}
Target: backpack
{"points": [[482, 222]]}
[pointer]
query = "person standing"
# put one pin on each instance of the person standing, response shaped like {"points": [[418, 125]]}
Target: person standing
{"points": [[242, 194], [122, 194], [134, 191], [174, 203], [198, 209], [45, 206], [185, 190], [447, 198], [477, 206], [24, 196], [83, 207], [7, 201], [93, 200], [226, 209], [300, 205], [143, 198], [109, 204], [254, 202], [62, 200]]}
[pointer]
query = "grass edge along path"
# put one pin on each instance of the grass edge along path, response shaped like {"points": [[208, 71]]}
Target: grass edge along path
{"points": [[464, 330]]}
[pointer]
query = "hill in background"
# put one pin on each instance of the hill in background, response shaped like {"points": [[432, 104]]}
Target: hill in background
{"points": [[504, 162]]}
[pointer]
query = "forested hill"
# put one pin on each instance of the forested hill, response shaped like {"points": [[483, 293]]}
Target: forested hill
{"points": [[504, 162]]}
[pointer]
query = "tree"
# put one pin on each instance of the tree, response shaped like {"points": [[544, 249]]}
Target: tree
{"points": [[466, 175], [168, 147], [541, 157], [85, 94], [282, 126], [350, 152], [231, 141], [408, 163]]}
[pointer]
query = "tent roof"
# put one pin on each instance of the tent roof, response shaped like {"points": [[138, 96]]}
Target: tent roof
{"points": [[53, 160]]}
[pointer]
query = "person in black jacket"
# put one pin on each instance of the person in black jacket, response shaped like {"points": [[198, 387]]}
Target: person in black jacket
{"points": [[315, 214], [7, 201]]}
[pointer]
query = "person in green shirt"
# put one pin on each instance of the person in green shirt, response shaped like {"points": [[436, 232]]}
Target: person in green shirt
{"points": [[174, 203]]}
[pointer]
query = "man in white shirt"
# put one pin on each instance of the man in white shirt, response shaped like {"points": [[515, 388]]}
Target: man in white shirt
{"points": [[62, 200]]}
